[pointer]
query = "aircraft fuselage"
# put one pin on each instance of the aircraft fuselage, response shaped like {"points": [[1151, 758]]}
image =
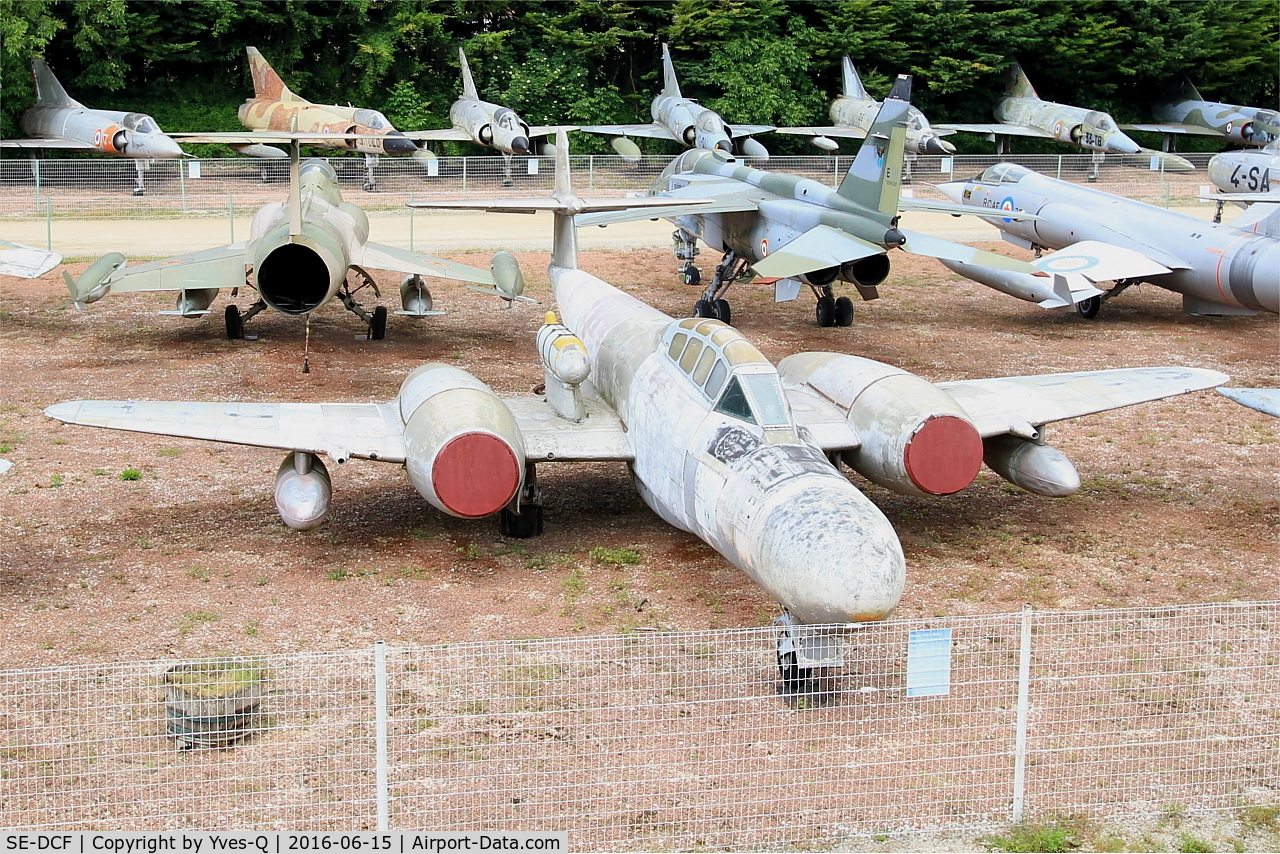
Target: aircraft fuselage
{"points": [[379, 137], [491, 125], [109, 131], [691, 123], [1091, 129], [861, 113]]}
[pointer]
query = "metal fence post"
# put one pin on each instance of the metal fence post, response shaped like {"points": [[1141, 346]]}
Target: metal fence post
{"points": [[411, 210], [48, 223], [464, 177], [182, 184], [1020, 739], [591, 172], [231, 215], [35, 171], [380, 726], [1059, 167]]}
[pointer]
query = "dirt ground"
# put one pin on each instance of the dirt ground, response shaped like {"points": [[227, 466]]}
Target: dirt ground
{"points": [[1179, 501]]}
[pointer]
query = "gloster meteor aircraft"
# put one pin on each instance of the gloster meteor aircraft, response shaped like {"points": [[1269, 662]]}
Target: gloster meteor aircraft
{"points": [[720, 442]]}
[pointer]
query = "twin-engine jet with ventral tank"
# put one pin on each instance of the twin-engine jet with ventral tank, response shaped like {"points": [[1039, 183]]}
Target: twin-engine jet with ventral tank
{"points": [[1021, 112], [720, 442], [683, 120], [490, 125], [1183, 111], [796, 231], [855, 111], [301, 254], [58, 121], [274, 108], [1101, 237]]}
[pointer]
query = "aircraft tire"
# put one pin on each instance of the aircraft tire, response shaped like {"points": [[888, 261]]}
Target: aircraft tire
{"points": [[795, 679], [235, 325], [844, 312], [378, 326], [723, 311], [1089, 308], [370, 187], [523, 525], [704, 308], [826, 311], [691, 275]]}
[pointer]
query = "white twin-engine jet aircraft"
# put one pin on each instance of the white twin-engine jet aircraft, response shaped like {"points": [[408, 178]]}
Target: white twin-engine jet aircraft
{"points": [[720, 442]]}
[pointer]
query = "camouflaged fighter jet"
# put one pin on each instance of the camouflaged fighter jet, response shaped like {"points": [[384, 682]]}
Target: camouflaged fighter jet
{"points": [[490, 125], [1100, 237], [58, 121], [1184, 112], [1021, 112], [796, 231], [855, 111], [719, 441], [274, 107], [683, 120], [301, 254]]}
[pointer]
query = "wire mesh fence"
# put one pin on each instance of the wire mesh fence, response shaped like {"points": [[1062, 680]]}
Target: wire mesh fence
{"points": [[679, 739], [104, 187]]}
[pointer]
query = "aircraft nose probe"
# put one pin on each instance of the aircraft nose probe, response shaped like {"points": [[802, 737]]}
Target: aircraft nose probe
{"points": [[397, 143]]}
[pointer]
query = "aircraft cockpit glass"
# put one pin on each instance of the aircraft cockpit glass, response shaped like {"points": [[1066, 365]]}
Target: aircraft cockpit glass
{"points": [[1005, 173], [681, 164], [715, 382], [915, 121], [1104, 124], [766, 393], [140, 123], [372, 119], [734, 403]]}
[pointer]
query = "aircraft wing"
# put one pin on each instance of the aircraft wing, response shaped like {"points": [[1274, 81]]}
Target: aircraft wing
{"points": [[1018, 405], [936, 247], [650, 131], [841, 132], [818, 248], [533, 204], [384, 257], [26, 262], [1194, 130], [826, 424], [667, 208], [70, 144], [368, 430], [1000, 130], [548, 130], [929, 206], [736, 131], [1266, 400], [455, 134], [547, 437], [221, 267]]}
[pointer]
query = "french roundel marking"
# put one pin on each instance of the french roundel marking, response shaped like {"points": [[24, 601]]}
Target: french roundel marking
{"points": [[1230, 127], [1069, 264], [97, 137], [1057, 128], [764, 247]]}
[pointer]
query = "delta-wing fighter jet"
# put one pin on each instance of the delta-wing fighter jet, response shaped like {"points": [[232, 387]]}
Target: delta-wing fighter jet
{"points": [[1100, 237], [855, 111], [720, 442], [797, 231], [1021, 112], [685, 121], [484, 123], [275, 108], [301, 254], [1183, 111], [58, 121]]}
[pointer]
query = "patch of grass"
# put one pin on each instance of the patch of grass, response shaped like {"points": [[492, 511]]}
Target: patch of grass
{"points": [[337, 574], [55, 481], [169, 452], [1051, 836], [199, 573], [252, 629], [616, 557], [131, 474], [5, 447], [1259, 817], [1192, 845], [470, 552], [193, 619]]}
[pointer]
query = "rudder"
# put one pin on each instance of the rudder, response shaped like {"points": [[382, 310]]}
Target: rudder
{"points": [[875, 178], [853, 87], [1018, 85], [468, 85], [670, 85]]}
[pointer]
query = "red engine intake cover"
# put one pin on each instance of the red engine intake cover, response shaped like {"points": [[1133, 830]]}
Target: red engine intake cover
{"points": [[944, 455], [476, 474]]}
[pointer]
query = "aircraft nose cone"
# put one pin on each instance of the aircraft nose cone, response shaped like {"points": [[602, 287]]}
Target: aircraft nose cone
{"points": [[1120, 143], [520, 144], [397, 143], [160, 146], [953, 190], [828, 555], [937, 145]]}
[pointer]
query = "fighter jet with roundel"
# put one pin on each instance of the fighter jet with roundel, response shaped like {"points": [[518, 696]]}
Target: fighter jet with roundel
{"points": [[855, 111], [301, 254], [684, 121], [1184, 111], [720, 442], [1021, 112], [58, 121], [275, 108], [1100, 237], [799, 232]]}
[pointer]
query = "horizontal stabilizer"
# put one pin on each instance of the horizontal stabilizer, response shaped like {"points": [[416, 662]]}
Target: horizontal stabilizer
{"points": [[382, 257], [643, 205], [928, 206], [1193, 130], [1100, 262], [817, 249], [671, 208], [26, 262], [67, 144], [1019, 405]]}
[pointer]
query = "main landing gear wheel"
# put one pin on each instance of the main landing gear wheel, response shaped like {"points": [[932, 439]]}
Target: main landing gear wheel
{"points": [[844, 312], [235, 323], [370, 186], [378, 323], [826, 311], [523, 525], [1089, 308], [704, 308], [795, 679], [722, 311]]}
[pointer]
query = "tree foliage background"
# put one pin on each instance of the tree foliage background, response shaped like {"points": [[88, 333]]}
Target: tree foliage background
{"points": [[598, 61]]}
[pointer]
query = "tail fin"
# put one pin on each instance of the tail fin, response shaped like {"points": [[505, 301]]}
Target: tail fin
{"points": [[468, 85], [853, 87], [1017, 85], [267, 85], [670, 85], [875, 178], [49, 92], [1180, 88]]}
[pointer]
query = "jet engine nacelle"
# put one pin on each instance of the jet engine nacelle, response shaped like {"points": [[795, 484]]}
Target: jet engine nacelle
{"points": [[866, 272], [303, 491], [915, 439], [463, 450]]}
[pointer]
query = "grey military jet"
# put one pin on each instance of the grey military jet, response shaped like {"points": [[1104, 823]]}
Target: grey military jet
{"points": [[1100, 237], [301, 253], [683, 120], [796, 231], [58, 121], [1184, 112], [484, 123], [720, 442], [1021, 112], [1248, 174], [855, 111]]}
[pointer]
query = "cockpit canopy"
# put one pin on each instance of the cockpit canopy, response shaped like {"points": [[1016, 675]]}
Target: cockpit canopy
{"points": [[728, 369], [140, 122], [1004, 173], [372, 119]]}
